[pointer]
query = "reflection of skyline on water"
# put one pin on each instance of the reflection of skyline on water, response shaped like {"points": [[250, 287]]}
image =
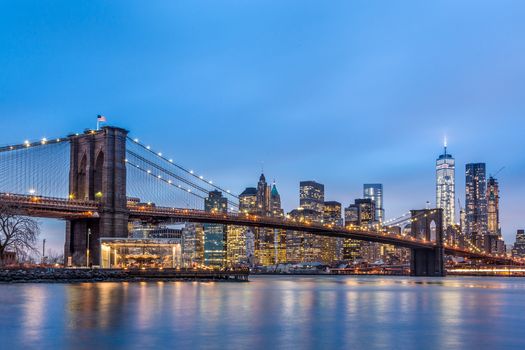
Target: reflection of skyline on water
{"points": [[269, 312]]}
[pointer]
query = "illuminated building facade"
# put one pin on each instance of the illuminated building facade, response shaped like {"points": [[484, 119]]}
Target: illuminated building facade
{"points": [[494, 242], [248, 201], [275, 202], [446, 187], [269, 245], [375, 193], [361, 213], [493, 226], [263, 197], [193, 244], [476, 204], [311, 195], [236, 246], [331, 246], [215, 235], [519, 245], [300, 246]]}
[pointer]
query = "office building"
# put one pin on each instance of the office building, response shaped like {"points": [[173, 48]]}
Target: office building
{"points": [[476, 204], [446, 187], [375, 193]]}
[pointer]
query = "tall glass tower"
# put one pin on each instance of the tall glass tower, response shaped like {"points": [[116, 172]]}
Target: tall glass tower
{"points": [[446, 186], [375, 193], [476, 202]]}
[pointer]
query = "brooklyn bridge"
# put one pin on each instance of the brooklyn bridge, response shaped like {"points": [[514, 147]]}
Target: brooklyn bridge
{"points": [[92, 180]]}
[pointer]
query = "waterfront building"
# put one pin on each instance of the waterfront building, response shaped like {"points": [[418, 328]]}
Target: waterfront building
{"points": [[215, 235], [476, 204], [446, 186], [519, 246], [375, 193], [311, 195], [193, 244], [236, 252]]}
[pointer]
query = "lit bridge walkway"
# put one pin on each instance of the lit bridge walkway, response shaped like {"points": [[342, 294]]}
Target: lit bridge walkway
{"points": [[49, 207]]}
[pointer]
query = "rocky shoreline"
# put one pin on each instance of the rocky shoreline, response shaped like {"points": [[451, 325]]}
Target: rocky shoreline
{"points": [[72, 275]]}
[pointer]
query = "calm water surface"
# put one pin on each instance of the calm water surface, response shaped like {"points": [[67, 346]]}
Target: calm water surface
{"points": [[320, 312]]}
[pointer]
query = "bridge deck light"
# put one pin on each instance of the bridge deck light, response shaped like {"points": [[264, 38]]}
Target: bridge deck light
{"points": [[148, 147], [191, 171], [136, 140], [159, 154], [171, 160]]}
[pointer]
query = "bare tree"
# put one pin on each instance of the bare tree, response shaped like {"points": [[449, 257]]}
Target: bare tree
{"points": [[17, 234]]}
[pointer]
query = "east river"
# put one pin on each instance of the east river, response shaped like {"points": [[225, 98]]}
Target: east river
{"points": [[270, 312]]}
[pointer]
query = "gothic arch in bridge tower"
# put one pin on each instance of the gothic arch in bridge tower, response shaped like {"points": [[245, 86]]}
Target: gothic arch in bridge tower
{"points": [[99, 175], [97, 172], [433, 232], [82, 185]]}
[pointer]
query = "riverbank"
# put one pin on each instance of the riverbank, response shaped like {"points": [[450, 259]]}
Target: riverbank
{"points": [[72, 275]]}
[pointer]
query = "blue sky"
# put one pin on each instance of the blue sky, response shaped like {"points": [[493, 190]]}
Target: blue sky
{"points": [[342, 92]]}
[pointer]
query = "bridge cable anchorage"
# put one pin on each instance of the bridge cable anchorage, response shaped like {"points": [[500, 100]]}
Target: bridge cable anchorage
{"points": [[189, 172]]}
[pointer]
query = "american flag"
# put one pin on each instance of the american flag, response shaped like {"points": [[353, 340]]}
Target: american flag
{"points": [[101, 118]]}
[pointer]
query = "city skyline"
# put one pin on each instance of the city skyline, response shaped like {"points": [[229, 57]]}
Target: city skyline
{"points": [[307, 104]]}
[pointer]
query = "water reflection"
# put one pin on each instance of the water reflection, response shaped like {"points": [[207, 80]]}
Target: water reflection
{"points": [[269, 312]]}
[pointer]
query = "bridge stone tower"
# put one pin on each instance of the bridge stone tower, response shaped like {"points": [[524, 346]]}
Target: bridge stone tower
{"points": [[97, 173], [428, 224]]}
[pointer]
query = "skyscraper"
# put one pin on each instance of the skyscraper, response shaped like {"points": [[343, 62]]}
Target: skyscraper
{"points": [[311, 195], [248, 201], [494, 242], [476, 203], [269, 244], [275, 202], [214, 234], [493, 207], [361, 213], [263, 196], [375, 193], [519, 245], [332, 247], [446, 187]]}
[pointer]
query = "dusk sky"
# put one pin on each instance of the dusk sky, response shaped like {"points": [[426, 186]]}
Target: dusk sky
{"points": [[341, 92]]}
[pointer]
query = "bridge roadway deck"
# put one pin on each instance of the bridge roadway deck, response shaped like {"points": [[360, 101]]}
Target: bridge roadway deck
{"points": [[48, 207]]}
